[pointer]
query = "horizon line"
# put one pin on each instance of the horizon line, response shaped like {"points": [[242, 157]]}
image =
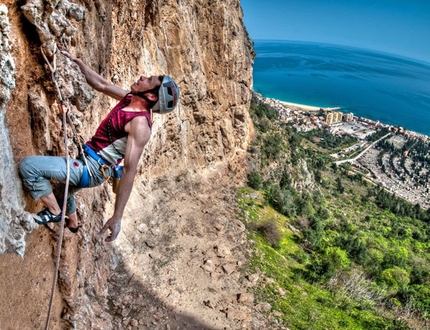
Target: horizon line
{"points": [[427, 63]]}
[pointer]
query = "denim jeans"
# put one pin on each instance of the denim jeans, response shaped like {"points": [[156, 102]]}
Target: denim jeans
{"points": [[37, 171]]}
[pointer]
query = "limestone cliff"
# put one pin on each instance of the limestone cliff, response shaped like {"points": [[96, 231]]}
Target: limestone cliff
{"points": [[180, 207]]}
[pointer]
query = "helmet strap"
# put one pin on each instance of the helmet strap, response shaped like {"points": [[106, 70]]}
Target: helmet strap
{"points": [[143, 95]]}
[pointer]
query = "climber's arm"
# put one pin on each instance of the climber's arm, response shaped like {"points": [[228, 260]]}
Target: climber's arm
{"points": [[138, 135], [96, 81]]}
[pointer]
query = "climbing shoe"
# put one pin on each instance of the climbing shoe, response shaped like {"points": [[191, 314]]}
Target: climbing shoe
{"points": [[44, 217], [73, 230]]}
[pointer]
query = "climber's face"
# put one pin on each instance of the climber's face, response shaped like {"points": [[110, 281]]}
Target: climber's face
{"points": [[145, 84]]}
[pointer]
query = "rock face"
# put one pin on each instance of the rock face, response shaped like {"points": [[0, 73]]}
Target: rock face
{"points": [[204, 47], [179, 215], [14, 222]]}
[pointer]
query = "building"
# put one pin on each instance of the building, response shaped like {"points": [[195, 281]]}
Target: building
{"points": [[333, 117], [347, 117]]}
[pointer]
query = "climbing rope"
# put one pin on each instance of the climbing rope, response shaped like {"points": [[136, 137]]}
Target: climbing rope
{"points": [[66, 118]]}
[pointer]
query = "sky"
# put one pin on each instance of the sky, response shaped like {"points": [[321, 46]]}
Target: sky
{"points": [[400, 27]]}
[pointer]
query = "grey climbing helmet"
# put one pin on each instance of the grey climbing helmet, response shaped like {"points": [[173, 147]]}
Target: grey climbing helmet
{"points": [[168, 96]]}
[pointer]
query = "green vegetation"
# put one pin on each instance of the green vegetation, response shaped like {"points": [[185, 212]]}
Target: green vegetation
{"points": [[340, 253], [325, 140], [374, 137]]}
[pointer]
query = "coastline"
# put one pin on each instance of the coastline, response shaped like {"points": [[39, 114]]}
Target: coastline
{"points": [[312, 108], [305, 107], [298, 106]]}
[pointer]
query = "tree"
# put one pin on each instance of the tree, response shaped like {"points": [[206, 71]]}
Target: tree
{"points": [[264, 125], [282, 200], [334, 167], [255, 180], [340, 187], [285, 180], [272, 146], [324, 267], [294, 141], [417, 211], [323, 213]]}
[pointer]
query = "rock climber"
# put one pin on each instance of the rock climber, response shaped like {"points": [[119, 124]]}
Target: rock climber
{"points": [[121, 136]]}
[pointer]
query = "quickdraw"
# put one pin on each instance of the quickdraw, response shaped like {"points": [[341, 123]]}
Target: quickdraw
{"points": [[107, 177]]}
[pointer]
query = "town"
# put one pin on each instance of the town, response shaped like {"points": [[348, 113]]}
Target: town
{"points": [[399, 173]]}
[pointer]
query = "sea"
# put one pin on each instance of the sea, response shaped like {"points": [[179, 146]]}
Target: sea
{"points": [[379, 86]]}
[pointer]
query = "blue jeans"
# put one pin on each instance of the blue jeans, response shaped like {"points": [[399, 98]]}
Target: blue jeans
{"points": [[37, 171]]}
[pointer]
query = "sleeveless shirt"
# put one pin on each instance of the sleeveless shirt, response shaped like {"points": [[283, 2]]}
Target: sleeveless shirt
{"points": [[110, 139]]}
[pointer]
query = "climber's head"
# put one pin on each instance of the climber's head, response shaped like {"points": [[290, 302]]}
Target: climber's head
{"points": [[161, 92], [147, 88], [168, 96]]}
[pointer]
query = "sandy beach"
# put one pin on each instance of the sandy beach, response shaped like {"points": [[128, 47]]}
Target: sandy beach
{"points": [[305, 107], [299, 106], [291, 105]]}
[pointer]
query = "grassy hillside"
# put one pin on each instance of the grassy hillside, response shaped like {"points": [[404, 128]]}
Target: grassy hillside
{"points": [[336, 251]]}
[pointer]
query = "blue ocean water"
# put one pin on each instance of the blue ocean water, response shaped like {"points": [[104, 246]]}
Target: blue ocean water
{"points": [[373, 85]]}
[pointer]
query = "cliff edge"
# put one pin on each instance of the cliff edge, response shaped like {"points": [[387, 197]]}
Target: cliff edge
{"points": [[176, 262]]}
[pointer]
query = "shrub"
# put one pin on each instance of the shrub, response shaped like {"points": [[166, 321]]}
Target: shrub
{"points": [[303, 222], [337, 258], [397, 256], [269, 229], [395, 277]]}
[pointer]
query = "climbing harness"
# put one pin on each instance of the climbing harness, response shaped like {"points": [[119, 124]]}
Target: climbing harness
{"points": [[104, 165]]}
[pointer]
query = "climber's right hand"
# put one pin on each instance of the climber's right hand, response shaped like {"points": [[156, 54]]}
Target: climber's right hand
{"points": [[68, 55], [114, 226]]}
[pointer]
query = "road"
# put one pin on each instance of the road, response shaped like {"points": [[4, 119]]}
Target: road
{"points": [[350, 160]]}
